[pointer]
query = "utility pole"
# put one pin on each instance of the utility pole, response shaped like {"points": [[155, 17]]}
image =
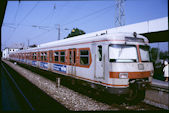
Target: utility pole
{"points": [[58, 31], [119, 14], [58, 28]]}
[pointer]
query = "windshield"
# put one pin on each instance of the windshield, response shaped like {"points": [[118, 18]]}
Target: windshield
{"points": [[122, 53], [144, 52]]}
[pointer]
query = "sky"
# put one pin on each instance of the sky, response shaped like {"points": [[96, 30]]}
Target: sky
{"points": [[38, 21]]}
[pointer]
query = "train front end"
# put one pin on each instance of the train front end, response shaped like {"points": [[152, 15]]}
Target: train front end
{"points": [[130, 67]]}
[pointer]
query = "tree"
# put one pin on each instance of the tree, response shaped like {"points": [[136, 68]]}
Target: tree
{"points": [[154, 52], [75, 32], [164, 55], [158, 65]]}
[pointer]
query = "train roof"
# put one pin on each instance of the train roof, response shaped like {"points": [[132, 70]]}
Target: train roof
{"points": [[87, 38]]}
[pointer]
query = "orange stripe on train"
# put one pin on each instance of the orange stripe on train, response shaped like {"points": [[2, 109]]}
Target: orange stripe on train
{"points": [[131, 75]]}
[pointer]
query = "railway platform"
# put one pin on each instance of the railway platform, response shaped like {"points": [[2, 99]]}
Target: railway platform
{"points": [[158, 94], [160, 83]]}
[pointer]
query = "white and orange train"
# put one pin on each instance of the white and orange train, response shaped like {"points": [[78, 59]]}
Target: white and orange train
{"points": [[116, 61]]}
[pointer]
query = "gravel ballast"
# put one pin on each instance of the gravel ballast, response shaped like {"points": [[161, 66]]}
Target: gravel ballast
{"points": [[70, 99]]}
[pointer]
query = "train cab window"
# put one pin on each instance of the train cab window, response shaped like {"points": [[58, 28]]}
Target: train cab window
{"points": [[122, 53], [45, 56], [84, 57], [144, 52], [62, 56], [56, 55], [100, 52]]}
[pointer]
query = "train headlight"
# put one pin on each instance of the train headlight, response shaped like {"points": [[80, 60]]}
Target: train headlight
{"points": [[123, 75]]}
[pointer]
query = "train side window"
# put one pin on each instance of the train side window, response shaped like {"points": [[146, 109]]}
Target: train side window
{"points": [[28, 56], [56, 54], [99, 52], [70, 57], [41, 56], [62, 56], [34, 56], [45, 56], [74, 56], [38, 56], [84, 57]]}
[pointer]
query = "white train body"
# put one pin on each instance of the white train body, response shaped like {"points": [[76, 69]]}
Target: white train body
{"points": [[109, 60]]}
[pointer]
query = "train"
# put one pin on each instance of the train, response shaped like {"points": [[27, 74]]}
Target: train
{"points": [[117, 63]]}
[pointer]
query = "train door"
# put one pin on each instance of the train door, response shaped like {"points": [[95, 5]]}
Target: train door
{"points": [[72, 61], [99, 60], [38, 59], [50, 59]]}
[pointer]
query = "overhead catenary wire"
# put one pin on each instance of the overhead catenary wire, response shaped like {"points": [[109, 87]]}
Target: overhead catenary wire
{"points": [[44, 19], [47, 27], [37, 36], [83, 24], [23, 20], [16, 13], [12, 25], [30, 11], [91, 14], [53, 13], [85, 16]]}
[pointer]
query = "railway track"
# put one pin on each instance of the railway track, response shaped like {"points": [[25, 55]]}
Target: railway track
{"points": [[113, 101], [36, 99], [12, 96]]}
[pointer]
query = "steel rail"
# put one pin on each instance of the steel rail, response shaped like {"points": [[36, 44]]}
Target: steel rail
{"points": [[30, 105]]}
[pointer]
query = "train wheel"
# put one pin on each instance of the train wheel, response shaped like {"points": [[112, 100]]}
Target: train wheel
{"points": [[135, 96], [132, 95]]}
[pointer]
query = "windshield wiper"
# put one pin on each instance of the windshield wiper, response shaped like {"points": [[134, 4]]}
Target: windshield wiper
{"points": [[120, 51], [112, 60]]}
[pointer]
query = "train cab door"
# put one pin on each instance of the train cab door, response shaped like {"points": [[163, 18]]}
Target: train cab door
{"points": [[99, 60], [72, 61]]}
